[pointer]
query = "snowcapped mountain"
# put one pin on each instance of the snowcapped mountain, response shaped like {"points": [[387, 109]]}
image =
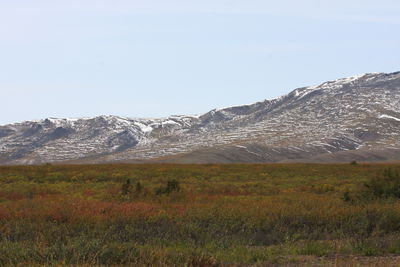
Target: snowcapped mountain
{"points": [[356, 118]]}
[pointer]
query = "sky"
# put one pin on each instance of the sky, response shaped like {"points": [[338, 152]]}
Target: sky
{"points": [[154, 58]]}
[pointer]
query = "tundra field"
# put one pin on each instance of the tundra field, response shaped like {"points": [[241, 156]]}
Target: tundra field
{"points": [[200, 215]]}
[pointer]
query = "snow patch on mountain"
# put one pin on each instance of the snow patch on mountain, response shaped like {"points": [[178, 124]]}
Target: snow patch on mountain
{"points": [[384, 116]]}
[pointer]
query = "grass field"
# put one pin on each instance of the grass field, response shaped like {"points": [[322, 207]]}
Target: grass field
{"points": [[197, 215]]}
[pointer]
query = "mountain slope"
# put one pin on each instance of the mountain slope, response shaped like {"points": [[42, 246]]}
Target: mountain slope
{"points": [[351, 118]]}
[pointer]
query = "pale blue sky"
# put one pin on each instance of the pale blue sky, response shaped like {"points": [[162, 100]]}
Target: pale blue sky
{"points": [[154, 58]]}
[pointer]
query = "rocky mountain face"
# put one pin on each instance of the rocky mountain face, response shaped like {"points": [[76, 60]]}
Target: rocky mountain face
{"points": [[356, 118]]}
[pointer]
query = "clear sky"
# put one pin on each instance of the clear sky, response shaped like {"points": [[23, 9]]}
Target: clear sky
{"points": [[154, 58]]}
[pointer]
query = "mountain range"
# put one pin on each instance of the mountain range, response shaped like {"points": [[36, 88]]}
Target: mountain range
{"points": [[355, 118]]}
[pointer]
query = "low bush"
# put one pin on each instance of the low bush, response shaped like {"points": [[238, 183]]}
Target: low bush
{"points": [[171, 186], [386, 185]]}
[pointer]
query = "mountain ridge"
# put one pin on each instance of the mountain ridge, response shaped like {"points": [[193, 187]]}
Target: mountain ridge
{"points": [[350, 114]]}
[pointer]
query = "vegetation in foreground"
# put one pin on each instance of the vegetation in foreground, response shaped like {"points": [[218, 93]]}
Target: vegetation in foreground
{"points": [[200, 215]]}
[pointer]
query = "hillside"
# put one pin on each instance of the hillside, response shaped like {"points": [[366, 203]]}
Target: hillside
{"points": [[356, 118]]}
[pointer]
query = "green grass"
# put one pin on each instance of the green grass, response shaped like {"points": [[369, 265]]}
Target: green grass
{"points": [[240, 214]]}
